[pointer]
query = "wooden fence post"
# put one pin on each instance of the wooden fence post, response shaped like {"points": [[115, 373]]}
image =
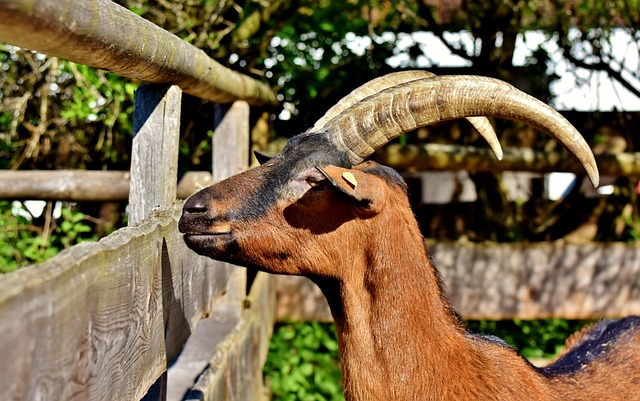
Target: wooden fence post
{"points": [[230, 140], [154, 156], [154, 166]]}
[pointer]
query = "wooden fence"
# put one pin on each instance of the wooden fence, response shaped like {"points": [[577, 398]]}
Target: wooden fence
{"points": [[106, 320]]}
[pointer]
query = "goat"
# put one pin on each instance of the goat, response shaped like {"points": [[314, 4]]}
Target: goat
{"points": [[318, 210]]}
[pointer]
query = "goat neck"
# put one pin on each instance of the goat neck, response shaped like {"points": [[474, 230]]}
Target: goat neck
{"points": [[400, 338]]}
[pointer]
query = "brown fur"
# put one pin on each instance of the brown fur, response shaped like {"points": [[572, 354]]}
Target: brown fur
{"points": [[399, 336]]}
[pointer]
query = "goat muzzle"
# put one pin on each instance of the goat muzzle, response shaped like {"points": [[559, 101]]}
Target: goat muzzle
{"points": [[199, 218]]}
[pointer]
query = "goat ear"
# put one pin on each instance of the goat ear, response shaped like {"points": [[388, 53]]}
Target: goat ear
{"points": [[262, 157], [365, 189]]}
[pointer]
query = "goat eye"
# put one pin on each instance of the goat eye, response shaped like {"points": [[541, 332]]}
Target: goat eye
{"points": [[315, 183]]}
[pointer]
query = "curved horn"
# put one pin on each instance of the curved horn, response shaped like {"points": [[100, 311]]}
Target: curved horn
{"points": [[373, 121], [481, 124]]}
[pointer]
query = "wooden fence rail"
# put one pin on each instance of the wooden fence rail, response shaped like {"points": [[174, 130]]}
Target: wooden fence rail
{"points": [[84, 185], [103, 34], [438, 157], [103, 321]]}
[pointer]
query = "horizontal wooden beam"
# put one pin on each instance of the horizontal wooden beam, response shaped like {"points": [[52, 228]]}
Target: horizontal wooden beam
{"points": [[103, 34], [71, 185], [101, 321], [455, 157], [84, 185], [505, 281]]}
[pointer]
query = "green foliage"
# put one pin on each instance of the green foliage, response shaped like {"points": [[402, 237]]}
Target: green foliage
{"points": [[532, 338], [102, 101], [58, 114], [72, 229], [303, 362], [312, 59], [23, 242]]}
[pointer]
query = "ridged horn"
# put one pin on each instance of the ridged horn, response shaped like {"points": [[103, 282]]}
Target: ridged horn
{"points": [[370, 123], [481, 124]]}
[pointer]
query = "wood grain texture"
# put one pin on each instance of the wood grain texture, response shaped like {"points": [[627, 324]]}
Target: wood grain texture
{"points": [[192, 182], [103, 34], [100, 321], [560, 279], [201, 346], [230, 140], [74, 185], [235, 372], [154, 154], [197, 353], [230, 156], [505, 281], [84, 185]]}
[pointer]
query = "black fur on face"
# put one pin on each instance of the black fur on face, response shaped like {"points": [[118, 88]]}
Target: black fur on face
{"points": [[302, 152]]}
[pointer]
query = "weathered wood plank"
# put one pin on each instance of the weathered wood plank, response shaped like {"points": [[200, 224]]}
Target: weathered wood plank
{"points": [[192, 182], [559, 279], [235, 372], [154, 154], [103, 34], [100, 321], [210, 332], [75, 185], [84, 185], [64, 185], [197, 353], [230, 156], [299, 299], [504, 281], [230, 140]]}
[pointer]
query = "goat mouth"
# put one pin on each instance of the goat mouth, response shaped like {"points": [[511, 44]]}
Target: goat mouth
{"points": [[210, 230], [203, 236], [206, 243], [207, 234]]}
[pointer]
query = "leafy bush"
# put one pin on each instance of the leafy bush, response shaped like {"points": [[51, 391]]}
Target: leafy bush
{"points": [[532, 338], [23, 242], [303, 362]]}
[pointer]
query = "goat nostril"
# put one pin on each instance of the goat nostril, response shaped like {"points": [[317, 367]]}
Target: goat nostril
{"points": [[196, 207]]}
